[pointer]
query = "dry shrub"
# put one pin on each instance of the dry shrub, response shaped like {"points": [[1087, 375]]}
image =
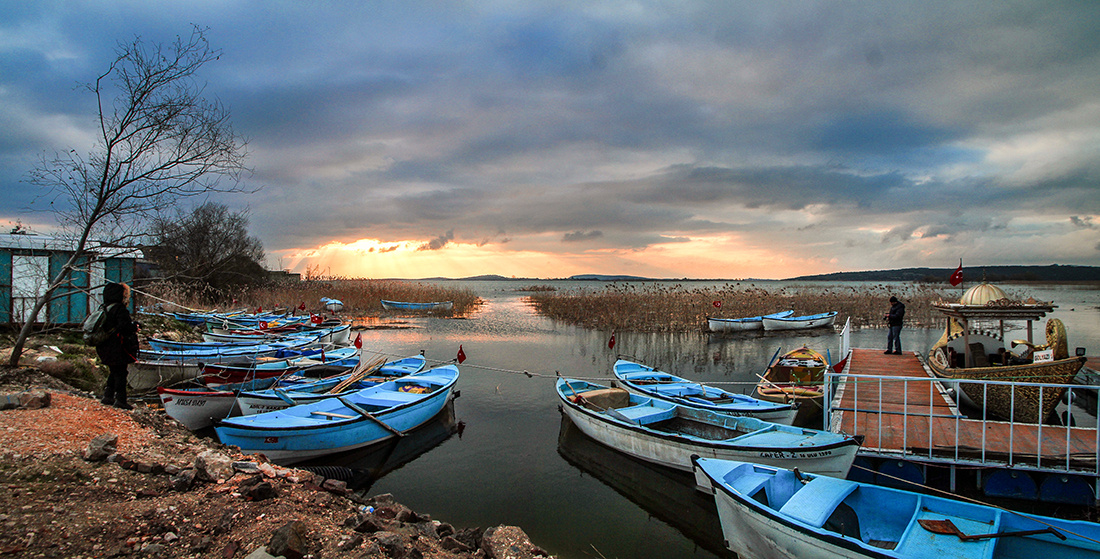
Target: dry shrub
{"points": [[76, 371], [680, 308]]}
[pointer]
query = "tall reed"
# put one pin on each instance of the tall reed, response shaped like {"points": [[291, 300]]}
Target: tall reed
{"points": [[680, 308]]}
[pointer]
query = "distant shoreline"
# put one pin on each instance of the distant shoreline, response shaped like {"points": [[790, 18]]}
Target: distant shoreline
{"points": [[1016, 274]]}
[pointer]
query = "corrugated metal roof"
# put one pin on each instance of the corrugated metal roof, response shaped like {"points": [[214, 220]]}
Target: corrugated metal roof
{"points": [[40, 242]]}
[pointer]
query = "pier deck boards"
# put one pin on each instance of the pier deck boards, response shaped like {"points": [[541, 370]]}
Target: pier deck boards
{"points": [[926, 425]]}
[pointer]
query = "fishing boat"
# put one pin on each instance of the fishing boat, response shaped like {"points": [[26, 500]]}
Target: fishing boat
{"points": [[332, 305], [972, 347], [768, 512], [264, 400], [231, 353], [344, 423], [406, 306], [797, 377], [667, 434], [748, 323], [805, 322], [197, 408], [146, 375], [647, 381], [239, 372]]}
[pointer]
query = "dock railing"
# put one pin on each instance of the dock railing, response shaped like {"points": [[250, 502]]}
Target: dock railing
{"points": [[975, 439]]}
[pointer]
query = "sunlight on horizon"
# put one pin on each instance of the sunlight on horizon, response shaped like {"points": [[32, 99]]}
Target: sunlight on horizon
{"points": [[705, 257]]}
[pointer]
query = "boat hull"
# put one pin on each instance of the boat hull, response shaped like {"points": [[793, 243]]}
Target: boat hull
{"points": [[1022, 403], [800, 322], [745, 324], [832, 456], [406, 306], [197, 409], [303, 432]]}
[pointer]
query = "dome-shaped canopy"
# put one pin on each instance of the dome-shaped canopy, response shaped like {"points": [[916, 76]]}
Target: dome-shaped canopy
{"points": [[981, 294]]}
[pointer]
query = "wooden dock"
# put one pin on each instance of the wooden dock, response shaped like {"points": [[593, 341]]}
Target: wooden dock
{"points": [[916, 420]]}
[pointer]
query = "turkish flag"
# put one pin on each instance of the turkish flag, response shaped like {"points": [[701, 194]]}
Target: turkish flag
{"points": [[717, 304], [461, 354], [263, 324], [259, 310], [302, 306], [359, 341], [315, 318], [957, 277], [611, 342]]}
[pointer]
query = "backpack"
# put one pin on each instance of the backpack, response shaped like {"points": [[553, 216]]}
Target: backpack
{"points": [[94, 329]]}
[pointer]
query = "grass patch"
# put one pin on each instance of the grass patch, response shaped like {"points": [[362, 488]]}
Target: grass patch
{"points": [[76, 370], [679, 308]]}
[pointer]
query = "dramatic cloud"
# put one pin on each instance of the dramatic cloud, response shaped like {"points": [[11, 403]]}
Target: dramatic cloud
{"points": [[705, 139]]}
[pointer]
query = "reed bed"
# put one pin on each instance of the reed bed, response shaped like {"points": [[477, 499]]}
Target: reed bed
{"points": [[680, 308], [361, 297]]}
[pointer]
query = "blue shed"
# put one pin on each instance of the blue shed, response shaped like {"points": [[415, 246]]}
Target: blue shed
{"points": [[29, 262]]}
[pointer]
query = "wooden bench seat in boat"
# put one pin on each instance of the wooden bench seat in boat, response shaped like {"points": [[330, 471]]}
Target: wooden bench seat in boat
{"points": [[816, 501], [604, 398], [644, 414]]}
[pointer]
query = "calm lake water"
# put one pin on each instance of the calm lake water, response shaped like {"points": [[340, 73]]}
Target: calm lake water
{"points": [[506, 456]]}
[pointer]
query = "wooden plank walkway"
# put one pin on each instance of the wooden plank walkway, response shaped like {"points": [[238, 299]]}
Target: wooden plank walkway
{"points": [[915, 418]]}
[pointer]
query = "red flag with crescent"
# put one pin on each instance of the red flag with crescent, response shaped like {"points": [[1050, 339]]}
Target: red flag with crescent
{"points": [[263, 324], [359, 341], [461, 354], [302, 306], [957, 277], [717, 304], [611, 342], [315, 318]]}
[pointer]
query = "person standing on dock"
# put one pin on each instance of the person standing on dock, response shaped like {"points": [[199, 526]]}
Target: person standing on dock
{"points": [[894, 319]]}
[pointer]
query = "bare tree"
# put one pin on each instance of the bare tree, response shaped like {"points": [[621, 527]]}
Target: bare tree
{"points": [[158, 140], [208, 247]]}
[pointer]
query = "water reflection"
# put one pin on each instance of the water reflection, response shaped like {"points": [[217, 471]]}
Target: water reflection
{"points": [[667, 494], [362, 467]]}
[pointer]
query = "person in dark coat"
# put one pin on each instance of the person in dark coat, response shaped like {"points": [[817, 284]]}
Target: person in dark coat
{"points": [[894, 319], [121, 348]]}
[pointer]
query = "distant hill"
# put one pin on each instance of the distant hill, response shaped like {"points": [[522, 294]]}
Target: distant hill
{"points": [[971, 274], [600, 277]]}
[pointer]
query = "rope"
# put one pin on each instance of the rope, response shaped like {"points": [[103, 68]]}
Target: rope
{"points": [[950, 495]]}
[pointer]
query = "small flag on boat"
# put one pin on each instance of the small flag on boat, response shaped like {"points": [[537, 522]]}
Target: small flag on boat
{"points": [[611, 342], [259, 309], [461, 354], [359, 341], [315, 318], [957, 277], [302, 306], [263, 324], [717, 304]]}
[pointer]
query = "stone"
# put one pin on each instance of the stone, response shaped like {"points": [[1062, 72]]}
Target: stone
{"points": [[9, 401], [370, 524], [101, 447], [184, 480], [247, 467], [509, 542], [350, 542], [34, 399], [260, 553], [335, 486], [289, 540], [214, 465], [260, 492], [451, 544], [391, 542]]}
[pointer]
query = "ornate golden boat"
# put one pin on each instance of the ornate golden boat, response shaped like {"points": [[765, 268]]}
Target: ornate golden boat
{"points": [[966, 353]]}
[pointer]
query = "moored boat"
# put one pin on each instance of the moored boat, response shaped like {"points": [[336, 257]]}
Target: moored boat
{"points": [[965, 352], [271, 399], [797, 377], [332, 305], [804, 322], [407, 306], [345, 423], [197, 408], [768, 512], [224, 373], [748, 323], [647, 381], [669, 435]]}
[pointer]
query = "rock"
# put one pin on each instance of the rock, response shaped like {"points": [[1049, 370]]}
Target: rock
{"points": [[335, 486], [451, 544], [34, 399], [246, 467], [370, 524], [289, 541], [184, 480], [350, 542], [9, 401], [509, 542], [391, 542], [214, 466], [260, 491], [260, 553], [101, 447]]}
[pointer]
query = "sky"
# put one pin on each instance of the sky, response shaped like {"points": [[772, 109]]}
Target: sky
{"points": [[666, 139]]}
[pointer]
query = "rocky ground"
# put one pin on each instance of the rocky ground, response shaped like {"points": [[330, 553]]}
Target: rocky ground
{"points": [[82, 480]]}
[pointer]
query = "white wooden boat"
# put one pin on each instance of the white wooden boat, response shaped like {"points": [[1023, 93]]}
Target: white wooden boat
{"points": [[773, 513], [669, 435], [804, 322], [407, 306], [649, 382], [748, 323], [197, 408], [332, 305]]}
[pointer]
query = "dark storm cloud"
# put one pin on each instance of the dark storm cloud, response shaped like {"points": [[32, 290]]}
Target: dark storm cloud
{"points": [[840, 131]]}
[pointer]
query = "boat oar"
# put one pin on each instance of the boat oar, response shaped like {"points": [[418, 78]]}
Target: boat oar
{"points": [[947, 527], [786, 396], [356, 377], [368, 415]]}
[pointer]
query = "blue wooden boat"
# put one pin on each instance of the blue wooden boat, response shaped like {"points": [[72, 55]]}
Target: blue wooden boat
{"points": [[768, 512], [647, 381], [231, 353], [332, 305], [804, 322], [742, 324], [405, 306], [222, 373], [334, 425], [270, 399], [668, 434]]}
